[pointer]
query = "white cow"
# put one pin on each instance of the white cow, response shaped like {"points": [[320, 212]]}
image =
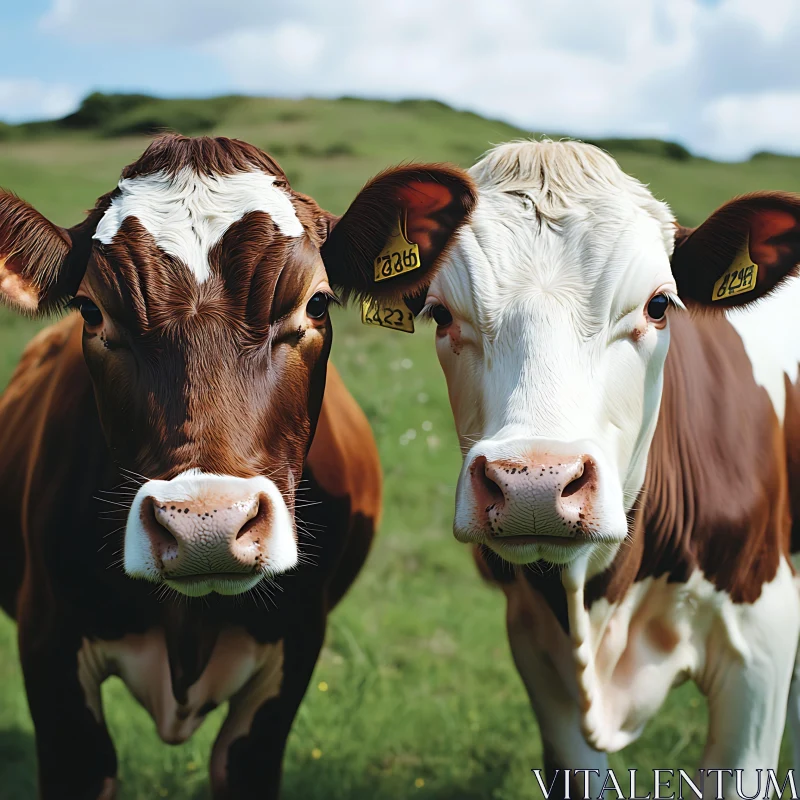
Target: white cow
{"points": [[636, 440]]}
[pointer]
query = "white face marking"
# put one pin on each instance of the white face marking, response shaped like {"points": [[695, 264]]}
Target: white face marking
{"points": [[550, 350], [770, 332], [188, 213], [203, 532]]}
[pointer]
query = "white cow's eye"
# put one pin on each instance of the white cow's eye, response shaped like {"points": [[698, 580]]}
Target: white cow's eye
{"points": [[657, 306], [441, 316]]}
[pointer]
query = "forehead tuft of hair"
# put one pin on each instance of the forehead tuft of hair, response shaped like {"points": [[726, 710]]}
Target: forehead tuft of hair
{"points": [[172, 153], [558, 176]]}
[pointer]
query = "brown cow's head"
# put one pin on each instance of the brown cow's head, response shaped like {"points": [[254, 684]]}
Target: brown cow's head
{"points": [[204, 295]]}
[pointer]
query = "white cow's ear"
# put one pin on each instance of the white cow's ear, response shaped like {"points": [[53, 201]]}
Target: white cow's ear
{"points": [[425, 204], [40, 263], [742, 252]]}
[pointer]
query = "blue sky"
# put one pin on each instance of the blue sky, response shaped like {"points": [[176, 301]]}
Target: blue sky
{"points": [[718, 75]]}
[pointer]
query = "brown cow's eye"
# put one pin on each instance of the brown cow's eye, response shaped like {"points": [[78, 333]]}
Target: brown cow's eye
{"points": [[441, 316], [657, 306], [317, 306], [91, 314]]}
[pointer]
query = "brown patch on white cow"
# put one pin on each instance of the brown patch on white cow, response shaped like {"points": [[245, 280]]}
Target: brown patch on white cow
{"points": [[663, 636], [715, 496]]}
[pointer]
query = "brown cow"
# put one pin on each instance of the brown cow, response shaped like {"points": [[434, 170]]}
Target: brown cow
{"points": [[631, 472], [191, 403]]}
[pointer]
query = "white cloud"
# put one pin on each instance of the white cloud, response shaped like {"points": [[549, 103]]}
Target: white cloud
{"points": [[159, 21], [625, 67], [762, 122], [28, 99], [291, 48]]}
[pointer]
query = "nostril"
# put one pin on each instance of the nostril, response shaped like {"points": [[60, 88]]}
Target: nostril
{"points": [[586, 476], [161, 537], [488, 492], [258, 521]]}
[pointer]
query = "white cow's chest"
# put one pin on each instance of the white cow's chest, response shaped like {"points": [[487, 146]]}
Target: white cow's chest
{"points": [[141, 661], [613, 671], [653, 639]]}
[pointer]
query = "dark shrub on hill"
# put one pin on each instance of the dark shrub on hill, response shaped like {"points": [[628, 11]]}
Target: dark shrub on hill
{"points": [[763, 154], [421, 104], [98, 109], [331, 150], [292, 115], [157, 117], [189, 117], [126, 114]]}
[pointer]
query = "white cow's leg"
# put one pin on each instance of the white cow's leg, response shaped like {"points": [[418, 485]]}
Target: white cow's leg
{"points": [[745, 729], [749, 667]]}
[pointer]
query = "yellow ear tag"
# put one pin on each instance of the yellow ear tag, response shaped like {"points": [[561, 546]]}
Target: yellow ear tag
{"points": [[739, 278], [398, 255], [394, 316]]}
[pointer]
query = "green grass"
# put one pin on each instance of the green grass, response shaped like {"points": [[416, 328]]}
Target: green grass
{"points": [[421, 684]]}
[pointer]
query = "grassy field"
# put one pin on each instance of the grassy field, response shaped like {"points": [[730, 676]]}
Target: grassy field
{"points": [[422, 699]]}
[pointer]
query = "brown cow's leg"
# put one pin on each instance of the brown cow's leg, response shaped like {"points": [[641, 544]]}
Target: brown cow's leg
{"points": [[248, 755], [554, 777], [359, 541], [75, 753]]}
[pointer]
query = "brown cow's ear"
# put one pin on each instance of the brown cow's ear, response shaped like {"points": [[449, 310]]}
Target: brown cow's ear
{"points": [[740, 253], [39, 262], [427, 203]]}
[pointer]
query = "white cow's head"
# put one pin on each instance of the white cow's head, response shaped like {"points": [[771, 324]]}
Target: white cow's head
{"points": [[552, 313]]}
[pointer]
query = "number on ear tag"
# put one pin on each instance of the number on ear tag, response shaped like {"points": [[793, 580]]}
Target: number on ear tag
{"points": [[739, 278], [394, 316], [398, 256]]}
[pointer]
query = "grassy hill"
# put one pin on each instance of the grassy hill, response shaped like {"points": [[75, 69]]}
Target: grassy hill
{"points": [[422, 697]]}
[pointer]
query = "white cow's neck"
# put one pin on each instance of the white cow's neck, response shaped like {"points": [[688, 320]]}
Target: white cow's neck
{"points": [[585, 643], [587, 632]]}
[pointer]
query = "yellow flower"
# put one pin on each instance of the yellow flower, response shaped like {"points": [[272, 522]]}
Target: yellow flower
{"points": [[419, 783], [191, 766], [316, 753], [322, 686]]}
